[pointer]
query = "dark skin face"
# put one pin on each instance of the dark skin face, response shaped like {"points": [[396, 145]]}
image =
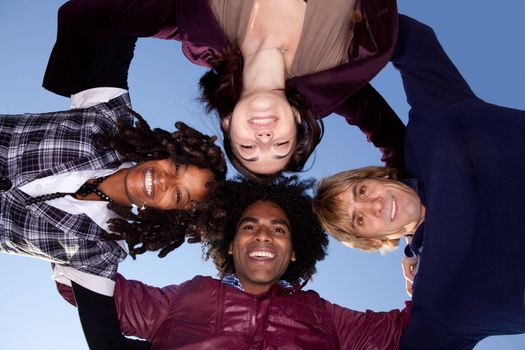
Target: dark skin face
{"points": [[262, 247], [161, 184]]}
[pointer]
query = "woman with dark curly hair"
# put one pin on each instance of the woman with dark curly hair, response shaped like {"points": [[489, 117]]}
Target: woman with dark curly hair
{"points": [[277, 68], [265, 245], [70, 179]]}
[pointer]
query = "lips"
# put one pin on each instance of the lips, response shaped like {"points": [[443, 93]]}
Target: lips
{"points": [[393, 209], [262, 122], [261, 254], [147, 185]]}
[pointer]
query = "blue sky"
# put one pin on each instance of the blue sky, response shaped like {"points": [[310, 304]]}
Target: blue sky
{"points": [[485, 41]]}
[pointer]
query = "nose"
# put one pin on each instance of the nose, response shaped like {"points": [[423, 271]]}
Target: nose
{"points": [[264, 136], [167, 181], [373, 206], [263, 234]]}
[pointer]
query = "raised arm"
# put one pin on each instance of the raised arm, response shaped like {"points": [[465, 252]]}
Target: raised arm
{"points": [[368, 330], [141, 309], [98, 316], [431, 81], [369, 111], [85, 33]]}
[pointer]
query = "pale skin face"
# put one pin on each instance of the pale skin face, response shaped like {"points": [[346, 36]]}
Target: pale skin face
{"points": [[382, 209], [263, 131], [262, 247], [161, 184]]}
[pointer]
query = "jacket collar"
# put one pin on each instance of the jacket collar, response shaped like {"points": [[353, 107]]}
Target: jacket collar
{"points": [[282, 287]]}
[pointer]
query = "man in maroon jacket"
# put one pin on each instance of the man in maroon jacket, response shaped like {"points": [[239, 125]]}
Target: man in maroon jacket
{"points": [[265, 249]]}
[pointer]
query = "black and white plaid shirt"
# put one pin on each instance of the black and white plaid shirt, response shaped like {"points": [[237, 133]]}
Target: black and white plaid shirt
{"points": [[34, 146]]}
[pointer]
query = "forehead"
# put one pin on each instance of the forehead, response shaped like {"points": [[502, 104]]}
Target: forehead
{"points": [[376, 182], [264, 210]]}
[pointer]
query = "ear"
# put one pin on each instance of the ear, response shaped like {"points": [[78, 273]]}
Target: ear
{"points": [[376, 243], [293, 258], [230, 249], [297, 115], [225, 123]]}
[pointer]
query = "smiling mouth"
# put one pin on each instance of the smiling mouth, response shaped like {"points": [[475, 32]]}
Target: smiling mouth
{"points": [[393, 210], [262, 121], [147, 186], [261, 255]]}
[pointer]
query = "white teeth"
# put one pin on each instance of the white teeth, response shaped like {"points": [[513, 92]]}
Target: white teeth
{"points": [[261, 121], [394, 208], [149, 182], [261, 254]]}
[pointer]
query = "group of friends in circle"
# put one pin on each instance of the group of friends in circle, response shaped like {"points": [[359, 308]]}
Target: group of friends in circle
{"points": [[83, 188]]}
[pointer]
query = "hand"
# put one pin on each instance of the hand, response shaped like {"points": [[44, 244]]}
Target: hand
{"points": [[409, 272]]}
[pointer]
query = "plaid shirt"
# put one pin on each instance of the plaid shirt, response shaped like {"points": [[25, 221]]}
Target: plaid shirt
{"points": [[33, 146]]}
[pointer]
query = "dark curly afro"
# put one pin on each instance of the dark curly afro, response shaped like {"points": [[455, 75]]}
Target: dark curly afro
{"points": [[232, 197]]}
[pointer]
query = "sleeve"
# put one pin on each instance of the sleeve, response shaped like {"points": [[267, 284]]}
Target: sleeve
{"points": [[369, 111], [96, 38], [98, 316], [426, 332], [368, 330], [430, 79], [142, 308]]}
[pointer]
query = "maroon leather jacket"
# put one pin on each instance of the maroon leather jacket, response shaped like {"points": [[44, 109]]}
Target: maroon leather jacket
{"points": [[204, 313]]}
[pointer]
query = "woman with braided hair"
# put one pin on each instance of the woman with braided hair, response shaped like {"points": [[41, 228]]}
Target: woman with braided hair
{"points": [[70, 180]]}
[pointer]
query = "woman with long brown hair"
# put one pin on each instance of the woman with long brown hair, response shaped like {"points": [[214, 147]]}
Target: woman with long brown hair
{"points": [[277, 67]]}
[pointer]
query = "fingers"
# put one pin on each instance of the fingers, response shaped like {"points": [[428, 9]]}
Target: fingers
{"points": [[408, 287]]}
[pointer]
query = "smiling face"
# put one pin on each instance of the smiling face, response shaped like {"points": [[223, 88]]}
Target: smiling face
{"points": [[382, 208], [263, 131], [262, 247], [166, 184]]}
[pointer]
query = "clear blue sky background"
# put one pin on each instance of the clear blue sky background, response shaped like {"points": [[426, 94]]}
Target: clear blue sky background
{"points": [[484, 39]]}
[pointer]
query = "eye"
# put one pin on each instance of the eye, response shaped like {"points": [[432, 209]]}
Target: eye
{"points": [[177, 170], [247, 146], [248, 227], [360, 219], [362, 191], [179, 196], [280, 230], [280, 144]]}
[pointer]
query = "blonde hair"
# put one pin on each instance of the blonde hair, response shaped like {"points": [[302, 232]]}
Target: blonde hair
{"points": [[333, 213]]}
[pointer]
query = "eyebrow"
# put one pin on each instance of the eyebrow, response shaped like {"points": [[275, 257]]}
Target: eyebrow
{"points": [[188, 197], [273, 222], [354, 196], [256, 158], [185, 188], [248, 219], [281, 222]]}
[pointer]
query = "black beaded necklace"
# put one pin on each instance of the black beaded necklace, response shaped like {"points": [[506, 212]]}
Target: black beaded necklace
{"points": [[84, 190]]}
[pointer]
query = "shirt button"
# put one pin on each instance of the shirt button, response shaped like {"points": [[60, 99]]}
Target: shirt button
{"points": [[5, 184]]}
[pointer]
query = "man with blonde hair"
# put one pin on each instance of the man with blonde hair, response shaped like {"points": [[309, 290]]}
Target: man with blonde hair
{"points": [[463, 206]]}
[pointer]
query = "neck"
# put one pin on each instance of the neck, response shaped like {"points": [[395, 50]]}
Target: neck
{"points": [[115, 187], [264, 69], [420, 221], [255, 288]]}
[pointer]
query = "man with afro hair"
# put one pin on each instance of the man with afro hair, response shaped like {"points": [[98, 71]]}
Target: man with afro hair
{"points": [[265, 245]]}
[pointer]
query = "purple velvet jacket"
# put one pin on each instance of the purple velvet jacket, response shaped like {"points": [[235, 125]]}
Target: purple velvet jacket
{"points": [[343, 89]]}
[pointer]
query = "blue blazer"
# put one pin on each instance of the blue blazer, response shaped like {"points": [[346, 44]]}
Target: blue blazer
{"points": [[469, 159]]}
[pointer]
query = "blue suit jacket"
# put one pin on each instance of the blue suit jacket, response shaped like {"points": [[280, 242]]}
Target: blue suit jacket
{"points": [[469, 158]]}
